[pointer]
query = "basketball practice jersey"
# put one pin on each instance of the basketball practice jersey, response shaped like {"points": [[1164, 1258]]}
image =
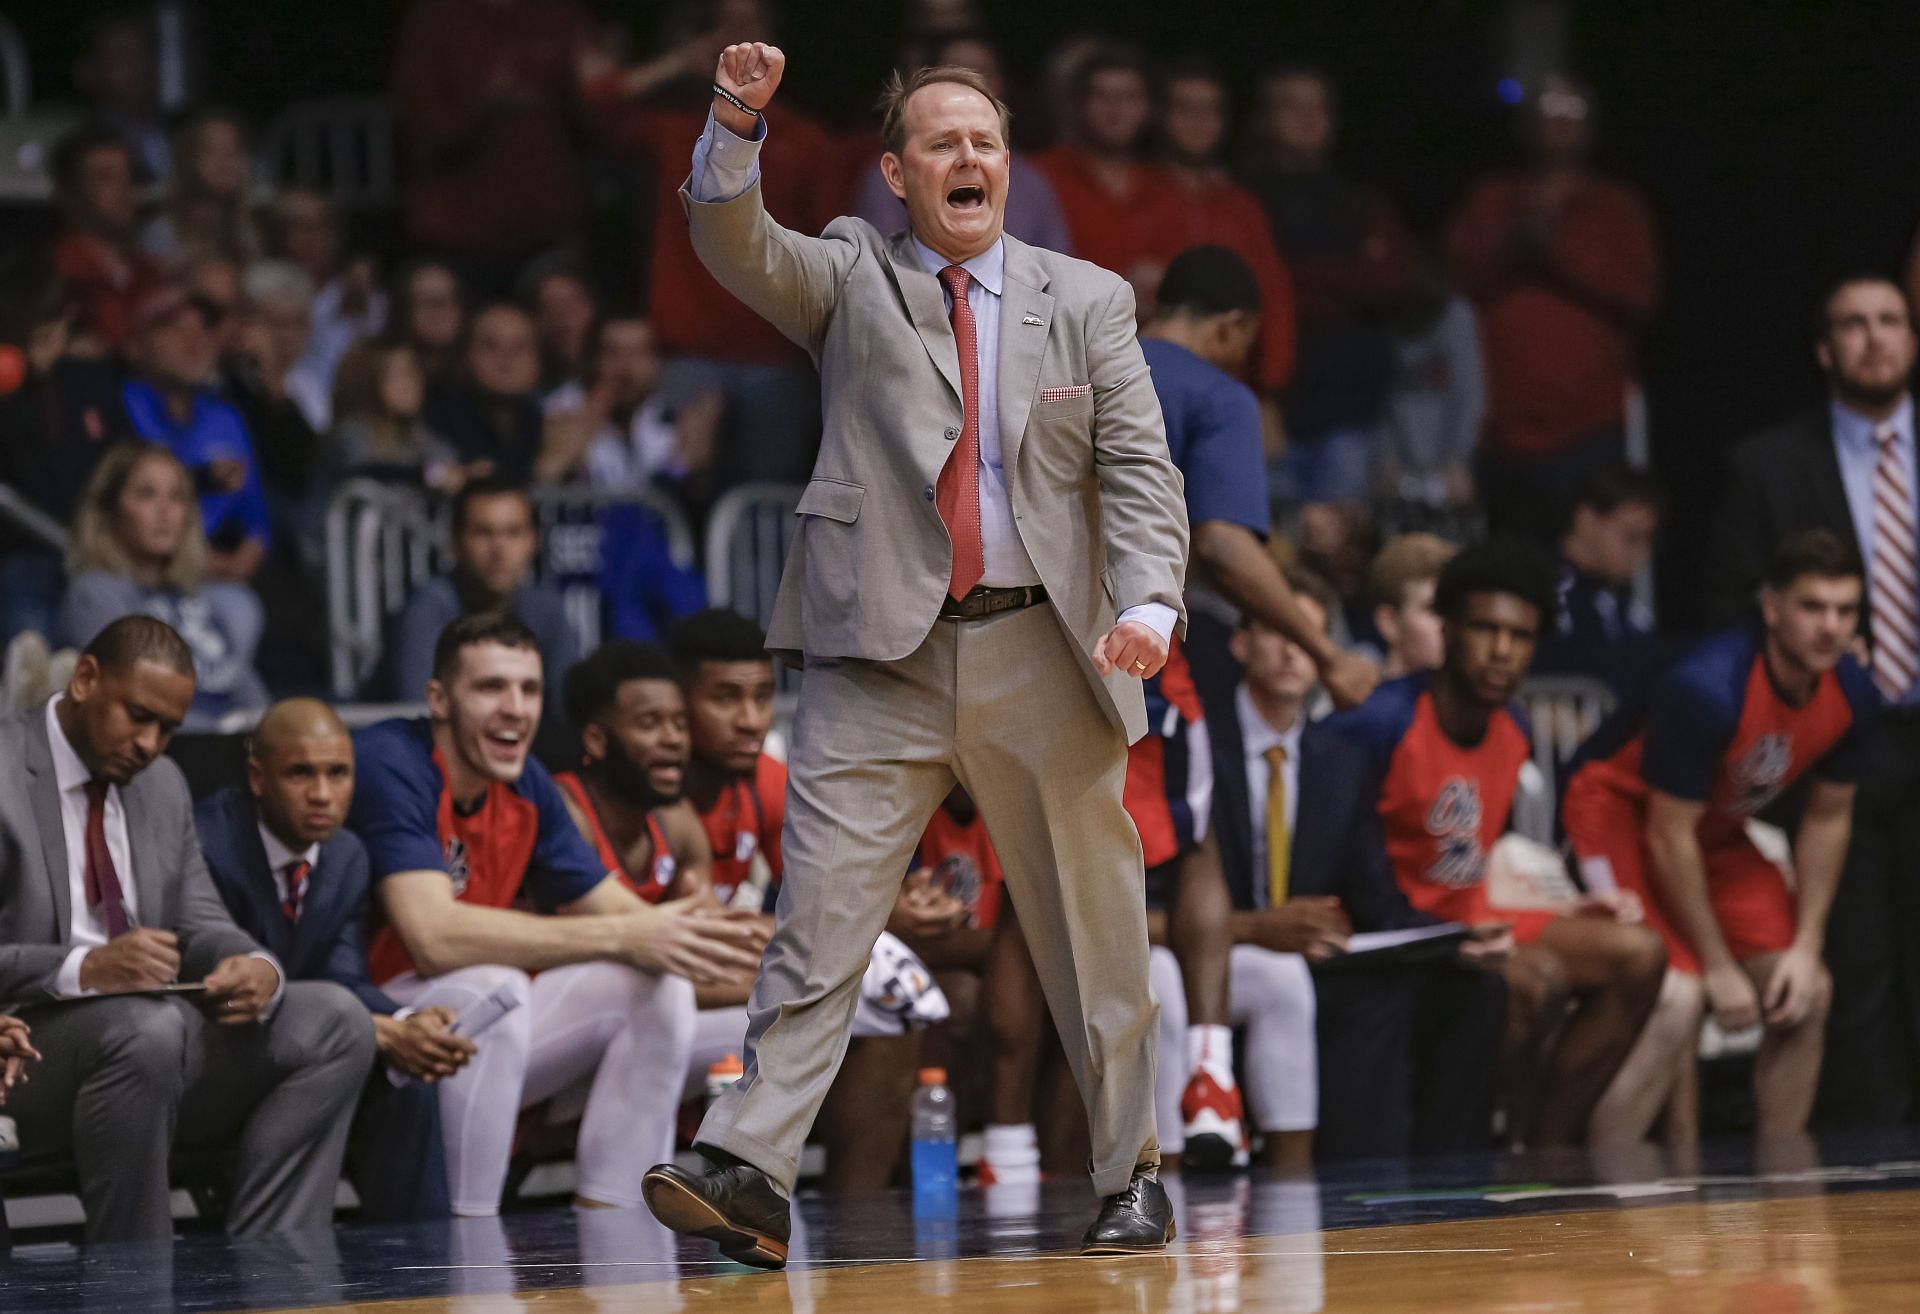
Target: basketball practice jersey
{"points": [[1716, 731], [652, 884], [1442, 805], [1169, 787], [744, 822], [519, 840], [964, 864]]}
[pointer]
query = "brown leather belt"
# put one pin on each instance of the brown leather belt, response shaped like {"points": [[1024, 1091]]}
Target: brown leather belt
{"points": [[983, 601]]}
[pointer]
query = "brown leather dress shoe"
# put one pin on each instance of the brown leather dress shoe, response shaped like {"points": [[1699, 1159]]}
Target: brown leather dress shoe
{"points": [[734, 1206]]}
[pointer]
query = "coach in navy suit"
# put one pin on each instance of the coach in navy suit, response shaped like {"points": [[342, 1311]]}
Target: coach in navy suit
{"points": [[297, 882], [1407, 1048]]}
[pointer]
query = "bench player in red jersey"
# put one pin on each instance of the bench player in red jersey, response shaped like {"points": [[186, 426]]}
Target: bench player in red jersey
{"points": [[626, 796], [463, 834], [1449, 748], [1658, 803]]}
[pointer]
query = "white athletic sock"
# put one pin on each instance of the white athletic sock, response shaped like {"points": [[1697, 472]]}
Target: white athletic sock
{"points": [[1013, 1152], [1211, 1049]]}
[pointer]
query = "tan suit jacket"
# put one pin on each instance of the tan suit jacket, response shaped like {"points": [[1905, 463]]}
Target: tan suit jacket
{"points": [[1097, 502]]}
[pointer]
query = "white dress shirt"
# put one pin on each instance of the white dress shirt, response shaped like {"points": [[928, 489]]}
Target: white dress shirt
{"points": [[726, 164], [280, 857], [1257, 736], [89, 931]]}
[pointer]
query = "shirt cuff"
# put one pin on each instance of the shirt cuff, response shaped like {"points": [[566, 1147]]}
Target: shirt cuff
{"points": [[725, 164], [278, 990], [66, 984], [1156, 616]]}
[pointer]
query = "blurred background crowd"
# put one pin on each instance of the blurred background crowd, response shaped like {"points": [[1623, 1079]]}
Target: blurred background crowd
{"points": [[426, 243]]}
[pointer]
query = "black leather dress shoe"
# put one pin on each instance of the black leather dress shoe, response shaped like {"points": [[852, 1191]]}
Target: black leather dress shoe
{"points": [[1137, 1221], [733, 1205]]}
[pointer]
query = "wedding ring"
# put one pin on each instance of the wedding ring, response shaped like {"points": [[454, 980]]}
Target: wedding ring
{"points": [[1139, 666]]}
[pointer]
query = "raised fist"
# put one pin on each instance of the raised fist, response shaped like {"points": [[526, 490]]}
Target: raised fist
{"points": [[751, 71]]}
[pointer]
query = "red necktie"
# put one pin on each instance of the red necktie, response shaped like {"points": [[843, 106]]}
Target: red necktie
{"points": [[296, 886], [958, 492], [103, 882]]}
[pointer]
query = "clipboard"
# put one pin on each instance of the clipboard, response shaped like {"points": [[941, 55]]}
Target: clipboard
{"points": [[186, 988], [1417, 944]]}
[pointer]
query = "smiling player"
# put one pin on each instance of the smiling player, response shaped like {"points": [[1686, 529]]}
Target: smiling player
{"points": [[459, 827]]}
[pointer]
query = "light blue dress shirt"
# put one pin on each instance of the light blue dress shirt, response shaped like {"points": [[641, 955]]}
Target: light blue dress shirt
{"points": [[1858, 455], [1007, 563], [726, 164]]}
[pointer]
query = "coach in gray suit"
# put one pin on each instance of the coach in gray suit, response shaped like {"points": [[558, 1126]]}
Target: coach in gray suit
{"points": [[103, 891], [992, 488]]}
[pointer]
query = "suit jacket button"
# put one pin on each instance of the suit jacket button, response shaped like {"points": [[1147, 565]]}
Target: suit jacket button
{"points": [[953, 434], [927, 492]]}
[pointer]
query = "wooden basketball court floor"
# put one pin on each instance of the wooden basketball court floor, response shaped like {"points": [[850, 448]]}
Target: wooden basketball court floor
{"points": [[1791, 1232]]}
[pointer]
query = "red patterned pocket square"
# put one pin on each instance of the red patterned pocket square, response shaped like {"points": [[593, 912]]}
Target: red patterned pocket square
{"points": [[1066, 394]]}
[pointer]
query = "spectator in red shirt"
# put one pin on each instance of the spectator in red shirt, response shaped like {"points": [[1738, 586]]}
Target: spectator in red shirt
{"points": [[771, 421], [1348, 257], [95, 257], [1122, 212], [1216, 211], [488, 98], [1561, 262]]}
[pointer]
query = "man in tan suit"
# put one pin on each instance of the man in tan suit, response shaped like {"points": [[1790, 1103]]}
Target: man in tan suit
{"points": [[989, 562]]}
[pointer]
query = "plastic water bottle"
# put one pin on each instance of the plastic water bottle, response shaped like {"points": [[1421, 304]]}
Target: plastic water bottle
{"points": [[935, 1131], [722, 1076]]}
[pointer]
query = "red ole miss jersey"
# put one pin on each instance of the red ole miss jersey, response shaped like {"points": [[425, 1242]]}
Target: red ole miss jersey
{"points": [[1169, 786], [652, 885], [1442, 805], [746, 820], [1716, 731], [963, 859], [519, 840]]}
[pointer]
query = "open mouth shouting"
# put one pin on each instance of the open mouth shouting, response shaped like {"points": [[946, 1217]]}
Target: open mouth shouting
{"points": [[967, 197]]}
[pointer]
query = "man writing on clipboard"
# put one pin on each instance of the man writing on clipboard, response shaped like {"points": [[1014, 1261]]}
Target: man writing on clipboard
{"points": [[103, 896]]}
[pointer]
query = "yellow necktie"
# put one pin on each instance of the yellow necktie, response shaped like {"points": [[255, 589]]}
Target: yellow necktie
{"points": [[1279, 839]]}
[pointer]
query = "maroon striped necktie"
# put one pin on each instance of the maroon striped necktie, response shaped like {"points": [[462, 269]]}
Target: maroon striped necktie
{"points": [[957, 495], [103, 882], [297, 873], [1895, 581]]}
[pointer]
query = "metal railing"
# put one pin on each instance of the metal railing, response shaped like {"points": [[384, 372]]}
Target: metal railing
{"points": [[748, 533], [19, 514], [16, 67], [384, 541], [1562, 711], [341, 145]]}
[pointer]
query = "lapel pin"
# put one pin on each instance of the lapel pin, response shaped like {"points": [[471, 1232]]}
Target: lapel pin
{"points": [[1034, 320]]}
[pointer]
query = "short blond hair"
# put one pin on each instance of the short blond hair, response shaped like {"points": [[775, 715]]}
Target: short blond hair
{"points": [[1403, 561], [901, 87]]}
